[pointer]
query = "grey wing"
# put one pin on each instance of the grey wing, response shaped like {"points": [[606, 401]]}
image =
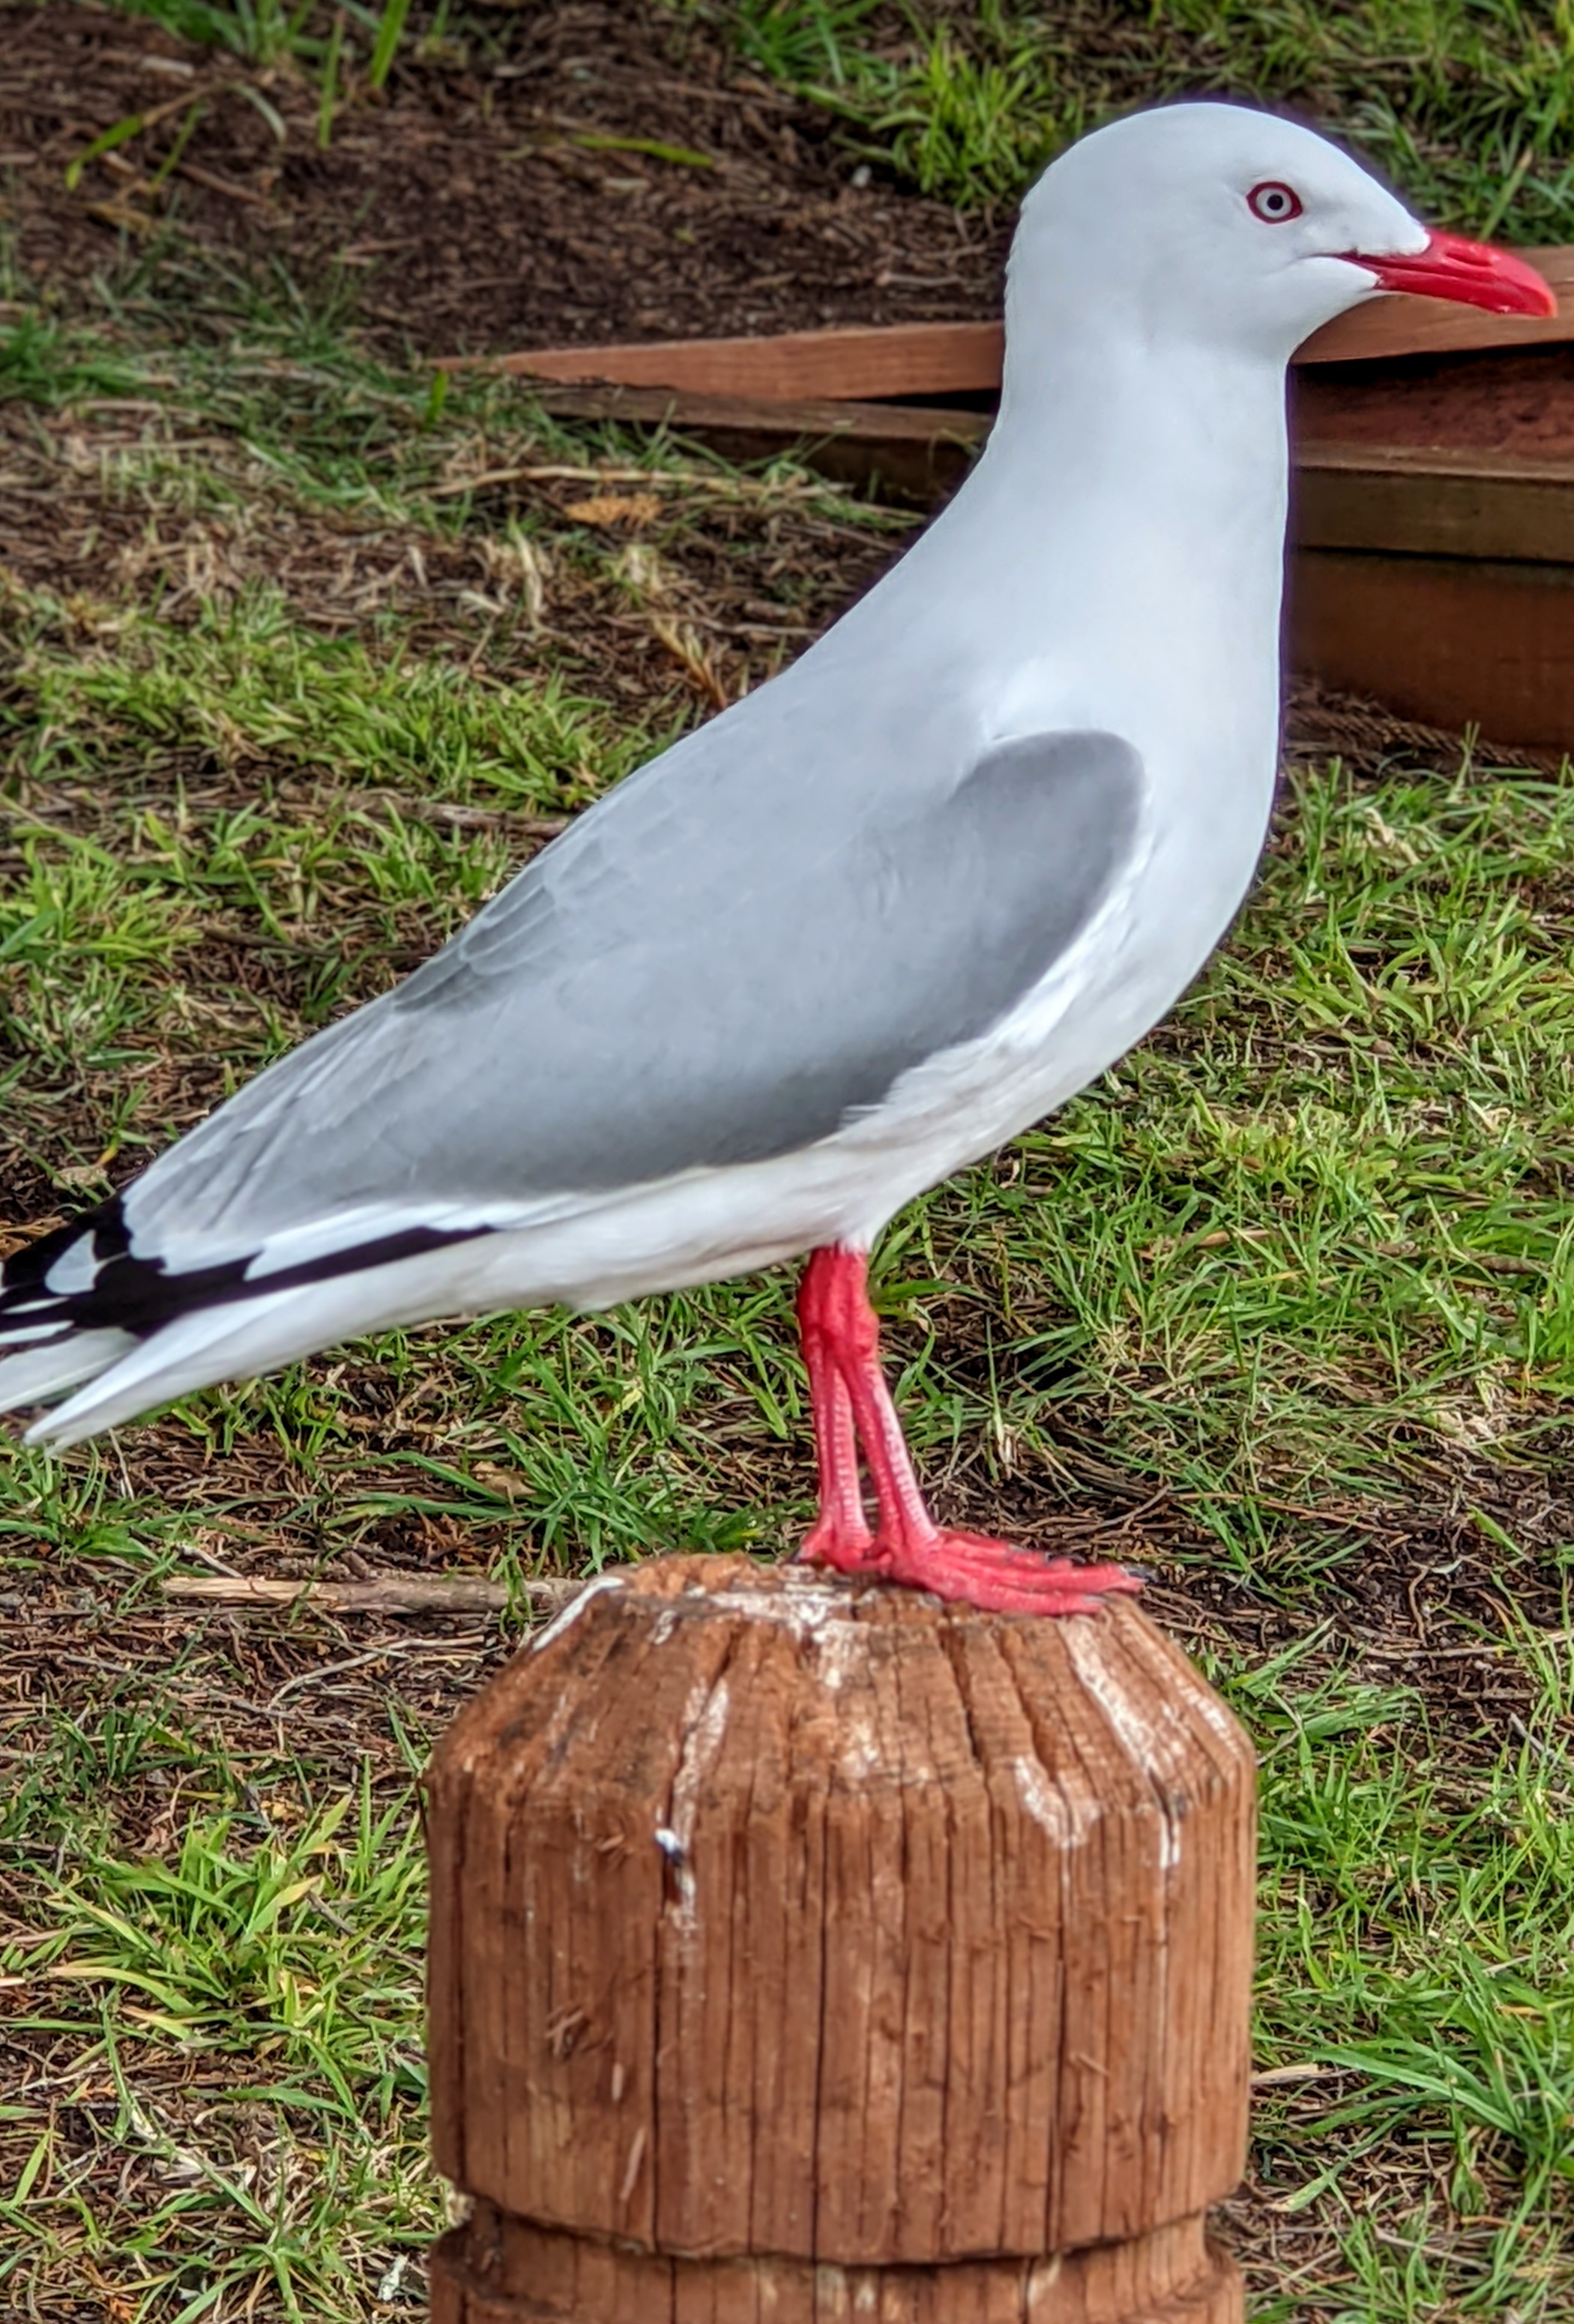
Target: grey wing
{"points": [[677, 987]]}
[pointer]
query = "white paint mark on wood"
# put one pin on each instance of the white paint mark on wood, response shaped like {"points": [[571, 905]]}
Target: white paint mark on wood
{"points": [[701, 1752], [1066, 1820], [805, 1610], [571, 1613], [636, 2155], [704, 1730], [677, 1856], [1135, 1724], [840, 1649]]}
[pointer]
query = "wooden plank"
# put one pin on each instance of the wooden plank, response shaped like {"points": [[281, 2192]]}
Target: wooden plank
{"points": [[914, 453], [848, 365], [865, 362], [1400, 501], [1447, 640], [1393, 499]]}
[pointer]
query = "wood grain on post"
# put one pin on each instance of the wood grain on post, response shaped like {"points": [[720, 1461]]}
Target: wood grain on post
{"points": [[809, 1952]]}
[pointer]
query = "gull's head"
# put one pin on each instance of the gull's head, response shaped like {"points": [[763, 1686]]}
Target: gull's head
{"points": [[1212, 225]]}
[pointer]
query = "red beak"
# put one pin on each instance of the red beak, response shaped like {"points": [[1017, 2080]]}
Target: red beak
{"points": [[1474, 273]]}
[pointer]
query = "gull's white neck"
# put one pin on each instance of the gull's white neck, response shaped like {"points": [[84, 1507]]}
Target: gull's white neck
{"points": [[1108, 419], [1115, 561], [1126, 526]]}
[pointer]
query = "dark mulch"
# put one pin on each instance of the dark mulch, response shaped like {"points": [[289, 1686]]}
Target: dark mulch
{"points": [[456, 208], [1322, 722]]}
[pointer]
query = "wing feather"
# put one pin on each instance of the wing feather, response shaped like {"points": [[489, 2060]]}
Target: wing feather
{"points": [[693, 976]]}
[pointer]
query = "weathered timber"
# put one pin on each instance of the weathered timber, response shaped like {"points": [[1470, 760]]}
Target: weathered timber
{"points": [[864, 363], [913, 452], [806, 1952], [1453, 641], [1442, 582], [1414, 501], [376, 1594], [852, 363], [502, 2271], [1391, 499]]}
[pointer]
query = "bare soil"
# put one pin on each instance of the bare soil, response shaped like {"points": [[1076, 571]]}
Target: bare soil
{"points": [[467, 208]]}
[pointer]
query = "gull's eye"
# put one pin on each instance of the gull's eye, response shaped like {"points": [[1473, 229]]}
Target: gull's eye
{"points": [[1274, 203]]}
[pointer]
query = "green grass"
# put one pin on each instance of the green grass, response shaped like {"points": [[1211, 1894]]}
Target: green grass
{"points": [[1465, 103], [278, 1940], [272, 32], [1415, 1947]]}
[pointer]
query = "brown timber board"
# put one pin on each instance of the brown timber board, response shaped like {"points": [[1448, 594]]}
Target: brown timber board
{"points": [[1389, 498], [917, 453], [1455, 642], [865, 362], [1400, 500], [852, 364]]}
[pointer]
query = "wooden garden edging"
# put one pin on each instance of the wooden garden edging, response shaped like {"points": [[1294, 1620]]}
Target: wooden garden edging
{"points": [[1440, 580], [916, 454], [801, 1953], [865, 362]]}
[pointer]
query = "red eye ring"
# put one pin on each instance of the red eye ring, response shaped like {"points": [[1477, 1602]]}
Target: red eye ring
{"points": [[1274, 202]]}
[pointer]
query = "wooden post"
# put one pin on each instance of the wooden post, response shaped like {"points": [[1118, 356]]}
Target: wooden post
{"points": [[809, 1953]]}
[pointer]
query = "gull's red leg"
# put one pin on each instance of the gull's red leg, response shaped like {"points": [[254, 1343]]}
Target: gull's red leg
{"points": [[840, 1534], [853, 1331], [909, 1546]]}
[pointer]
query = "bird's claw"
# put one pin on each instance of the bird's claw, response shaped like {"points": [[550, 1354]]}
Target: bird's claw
{"points": [[970, 1568]]}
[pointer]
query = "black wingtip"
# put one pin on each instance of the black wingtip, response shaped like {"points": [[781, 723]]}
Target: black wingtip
{"points": [[26, 1268], [140, 1294]]}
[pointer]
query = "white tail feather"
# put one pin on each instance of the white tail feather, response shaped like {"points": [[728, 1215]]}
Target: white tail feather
{"points": [[238, 1339], [197, 1351], [35, 1374]]}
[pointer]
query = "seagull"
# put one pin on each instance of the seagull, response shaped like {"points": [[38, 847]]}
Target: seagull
{"points": [[863, 927]]}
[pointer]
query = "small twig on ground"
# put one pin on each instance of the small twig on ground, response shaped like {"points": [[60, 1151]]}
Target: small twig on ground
{"points": [[383, 1593], [217, 185], [470, 819], [1420, 1652]]}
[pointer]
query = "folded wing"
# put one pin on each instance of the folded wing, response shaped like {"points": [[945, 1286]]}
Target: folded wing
{"points": [[683, 982]]}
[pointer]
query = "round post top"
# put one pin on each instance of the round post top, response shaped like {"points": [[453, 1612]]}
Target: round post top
{"points": [[679, 1675]]}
